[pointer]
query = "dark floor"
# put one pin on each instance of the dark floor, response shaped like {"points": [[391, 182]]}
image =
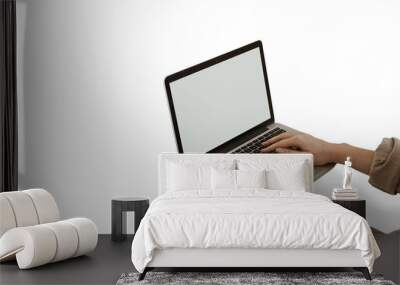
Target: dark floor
{"points": [[103, 266], [111, 259]]}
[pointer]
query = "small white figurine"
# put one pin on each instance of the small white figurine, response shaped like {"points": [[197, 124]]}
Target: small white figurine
{"points": [[347, 174]]}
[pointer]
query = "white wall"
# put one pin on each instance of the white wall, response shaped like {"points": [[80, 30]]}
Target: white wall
{"points": [[93, 110]]}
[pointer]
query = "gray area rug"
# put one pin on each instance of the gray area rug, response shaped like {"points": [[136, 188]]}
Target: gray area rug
{"points": [[228, 278]]}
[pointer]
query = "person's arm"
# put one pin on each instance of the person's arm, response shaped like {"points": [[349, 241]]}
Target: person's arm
{"points": [[382, 165], [361, 158], [385, 169], [324, 152]]}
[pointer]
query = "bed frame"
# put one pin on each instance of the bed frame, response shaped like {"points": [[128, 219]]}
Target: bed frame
{"points": [[250, 259], [236, 259]]}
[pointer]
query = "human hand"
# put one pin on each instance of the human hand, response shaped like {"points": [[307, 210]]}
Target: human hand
{"points": [[301, 142]]}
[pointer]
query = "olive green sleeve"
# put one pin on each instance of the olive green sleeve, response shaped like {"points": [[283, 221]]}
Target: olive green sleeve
{"points": [[385, 167]]}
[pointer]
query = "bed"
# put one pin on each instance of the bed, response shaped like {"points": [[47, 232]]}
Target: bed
{"points": [[247, 211]]}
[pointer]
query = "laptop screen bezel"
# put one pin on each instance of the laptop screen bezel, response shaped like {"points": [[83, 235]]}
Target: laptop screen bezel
{"points": [[241, 138]]}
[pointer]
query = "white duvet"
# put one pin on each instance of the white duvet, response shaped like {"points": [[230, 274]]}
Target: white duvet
{"points": [[250, 219]]}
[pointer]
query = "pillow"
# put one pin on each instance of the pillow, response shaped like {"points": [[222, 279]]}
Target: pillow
{"points": [[223, 179], [281, 174], [183, 177], [237, 179], [189, 175], [251, 178]]}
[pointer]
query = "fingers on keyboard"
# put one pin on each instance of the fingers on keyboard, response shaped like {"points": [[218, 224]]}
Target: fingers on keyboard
{"points": [[255, 146]]}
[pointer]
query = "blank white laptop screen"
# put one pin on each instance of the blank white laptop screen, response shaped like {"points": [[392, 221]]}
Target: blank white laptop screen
{"points": [[220, 102]]}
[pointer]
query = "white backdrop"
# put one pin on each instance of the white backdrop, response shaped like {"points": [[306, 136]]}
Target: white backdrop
{"points": [[93, 110]]}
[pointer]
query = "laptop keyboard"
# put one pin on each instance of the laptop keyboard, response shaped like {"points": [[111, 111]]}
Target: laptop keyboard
{"points": [[255, 146]]}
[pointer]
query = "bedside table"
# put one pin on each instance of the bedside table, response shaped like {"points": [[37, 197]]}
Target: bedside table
{"points": [[119, 207], [356, 206]]}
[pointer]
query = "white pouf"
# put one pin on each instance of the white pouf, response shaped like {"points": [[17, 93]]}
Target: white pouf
{"points": [[31, 232]]}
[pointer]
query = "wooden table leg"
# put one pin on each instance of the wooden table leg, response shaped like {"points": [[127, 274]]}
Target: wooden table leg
{"points": [[140, 211], [118, 222]]}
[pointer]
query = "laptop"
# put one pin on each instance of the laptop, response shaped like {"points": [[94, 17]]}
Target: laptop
{"points": [[224, 105]]}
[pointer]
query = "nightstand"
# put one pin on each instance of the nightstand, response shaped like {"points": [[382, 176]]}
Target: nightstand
{"points": [[119, 207], [356, 206]]}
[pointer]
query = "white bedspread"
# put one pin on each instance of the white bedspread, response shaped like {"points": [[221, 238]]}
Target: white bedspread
{"points": [[250, 219]]}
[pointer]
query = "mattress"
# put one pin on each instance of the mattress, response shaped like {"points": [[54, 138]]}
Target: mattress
{"points": [[250, 219]]}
